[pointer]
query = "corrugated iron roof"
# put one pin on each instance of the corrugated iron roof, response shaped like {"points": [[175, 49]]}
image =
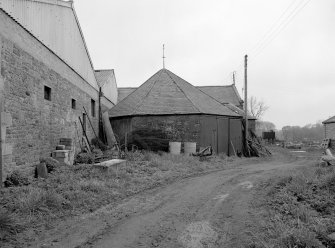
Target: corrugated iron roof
{"points": [[124, 92], [239, 111], [106, 80], [330, 120], [55, 24], [103, 76], [166, 93]]}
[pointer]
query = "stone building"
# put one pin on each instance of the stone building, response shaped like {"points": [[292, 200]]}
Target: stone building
{"points": [[329, 125], [46, 78], [184, 113]]}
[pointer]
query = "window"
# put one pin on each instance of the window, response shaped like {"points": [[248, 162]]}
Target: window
{"points": [[93, 107], [73, 103], [47, 93]]}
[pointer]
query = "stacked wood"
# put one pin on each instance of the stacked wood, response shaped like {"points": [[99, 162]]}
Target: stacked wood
{"points": [[255, 146], [327, 159]]}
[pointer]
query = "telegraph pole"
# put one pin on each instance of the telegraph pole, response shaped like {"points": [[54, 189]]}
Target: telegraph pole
{"points": [[246, 101], [1, 138]]}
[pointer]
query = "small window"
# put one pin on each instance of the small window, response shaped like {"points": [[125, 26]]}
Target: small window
{"points": [[93, 107], [73, 103], [47, 93]]}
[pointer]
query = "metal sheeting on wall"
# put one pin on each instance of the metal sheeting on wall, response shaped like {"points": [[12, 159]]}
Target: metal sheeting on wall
{"points": [[55, 24], [235, 136], [208, 133], [222, 133]]}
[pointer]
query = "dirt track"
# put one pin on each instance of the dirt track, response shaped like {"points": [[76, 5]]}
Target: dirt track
{"points": [[207, 211]]}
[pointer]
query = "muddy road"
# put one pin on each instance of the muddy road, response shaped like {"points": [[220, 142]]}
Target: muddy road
{"points": [[211, 210]]}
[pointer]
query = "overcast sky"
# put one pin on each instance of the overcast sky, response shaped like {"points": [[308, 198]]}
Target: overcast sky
{"points": [[206, 41]]}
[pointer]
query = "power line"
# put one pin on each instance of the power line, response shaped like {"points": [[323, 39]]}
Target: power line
{"points": [[276, 28], [270, 30], [282, 26]]}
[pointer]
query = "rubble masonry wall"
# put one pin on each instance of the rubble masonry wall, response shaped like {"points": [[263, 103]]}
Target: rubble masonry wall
{"points": [[34, 125]]}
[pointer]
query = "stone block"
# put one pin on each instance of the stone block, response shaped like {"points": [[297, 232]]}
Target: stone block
{"points": [[60, 154], [110, 164], [6, 119], [60, 147], [7, 149], [42, 170], [3, 133]]}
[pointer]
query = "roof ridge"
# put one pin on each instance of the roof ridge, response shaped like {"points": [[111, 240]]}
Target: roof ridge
{"points": [[49, 49], [96, 70], [61, 3], [203, 93], [236, 92], [136, 88], [143, 98], [83, 40], [229, 85], [183, 91]]}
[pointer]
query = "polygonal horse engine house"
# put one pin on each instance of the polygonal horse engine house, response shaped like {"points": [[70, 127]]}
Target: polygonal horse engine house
{"points": [[168, 103]]}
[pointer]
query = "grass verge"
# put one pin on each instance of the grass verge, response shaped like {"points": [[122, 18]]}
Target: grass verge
{"points": [[28, 210], [298, 210]]}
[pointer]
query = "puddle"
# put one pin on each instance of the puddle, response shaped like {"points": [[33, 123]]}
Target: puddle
{"points": [[246, 185], [198, 235], [221, 197], [298, 151]]}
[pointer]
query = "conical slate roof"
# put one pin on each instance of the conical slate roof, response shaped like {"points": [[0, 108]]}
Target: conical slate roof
{"points": [[164, 94]]}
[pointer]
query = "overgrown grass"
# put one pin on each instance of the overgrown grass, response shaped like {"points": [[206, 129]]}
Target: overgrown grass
{"points": [[300, 210], [75, 190]]}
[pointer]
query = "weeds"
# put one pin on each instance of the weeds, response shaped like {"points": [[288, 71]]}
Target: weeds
{"points": [[16, 178], [74, 190], [7, 223], [303, 206]]}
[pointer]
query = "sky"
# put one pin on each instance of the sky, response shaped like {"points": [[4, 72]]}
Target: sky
{"points": [[290, 44]]}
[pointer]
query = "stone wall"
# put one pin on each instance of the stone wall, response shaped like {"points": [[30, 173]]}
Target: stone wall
{"points": [[31, 125], [176, 127]]}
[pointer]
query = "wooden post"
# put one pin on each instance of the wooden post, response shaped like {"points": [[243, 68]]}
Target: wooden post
{"points": [[1, 109], [246, 101], [125, 142], [101, 129], [89, 120]]}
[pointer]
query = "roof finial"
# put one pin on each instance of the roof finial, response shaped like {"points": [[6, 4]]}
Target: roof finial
{"points": [[234, 73], [164, 56]]}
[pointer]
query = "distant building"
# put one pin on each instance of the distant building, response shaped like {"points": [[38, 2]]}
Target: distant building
{"points": [[329, 125], [183, 112], [46, 79]]}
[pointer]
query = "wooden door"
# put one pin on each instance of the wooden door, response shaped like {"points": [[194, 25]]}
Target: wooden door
{"points": [[235, 134], [208, 133], [223, 135]]}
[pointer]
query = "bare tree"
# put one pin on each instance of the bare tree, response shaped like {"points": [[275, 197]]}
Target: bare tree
{"points": [[256, 107]]}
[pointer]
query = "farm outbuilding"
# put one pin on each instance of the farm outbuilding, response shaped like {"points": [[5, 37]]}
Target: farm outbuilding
{"points": [[46, 80], [329, 125], [224, 94], [168, 104]]}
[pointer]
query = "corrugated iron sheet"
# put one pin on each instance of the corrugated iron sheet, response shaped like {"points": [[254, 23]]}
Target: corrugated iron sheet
{"points": [[107, 81], [55, 24]]}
